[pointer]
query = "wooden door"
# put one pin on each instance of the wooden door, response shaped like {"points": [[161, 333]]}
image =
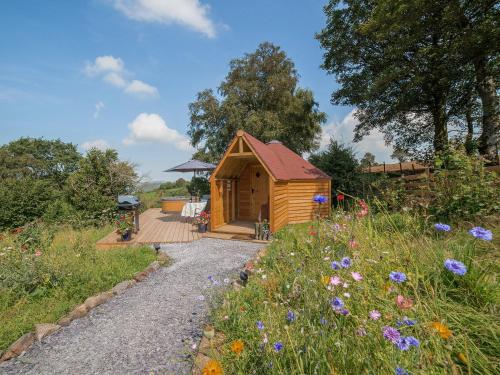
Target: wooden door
{"points": [[259, 183]]}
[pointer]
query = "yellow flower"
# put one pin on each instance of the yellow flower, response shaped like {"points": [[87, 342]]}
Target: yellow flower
{"points": [[443, 331], [325, 280], [237, 346], [212, 368], [462, 358]]}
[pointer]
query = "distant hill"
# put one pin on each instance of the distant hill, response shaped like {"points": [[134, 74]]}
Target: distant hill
{"points": [[149, 185]]}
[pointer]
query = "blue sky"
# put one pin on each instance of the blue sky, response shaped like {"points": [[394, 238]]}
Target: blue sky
{"points": [[121, 73]]}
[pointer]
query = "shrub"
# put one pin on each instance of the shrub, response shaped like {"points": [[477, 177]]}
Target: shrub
{"points": [[463, 189], [199, 186]]}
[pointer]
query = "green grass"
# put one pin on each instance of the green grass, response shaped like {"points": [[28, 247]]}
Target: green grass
{"points": [[42, 289], [290, 278]]}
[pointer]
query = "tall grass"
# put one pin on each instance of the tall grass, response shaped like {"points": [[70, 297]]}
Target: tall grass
{"points": [[42, 287], [295, 277]]}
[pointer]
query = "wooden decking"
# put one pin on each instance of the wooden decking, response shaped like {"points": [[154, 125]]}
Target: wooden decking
{"points": [[155, 227]]}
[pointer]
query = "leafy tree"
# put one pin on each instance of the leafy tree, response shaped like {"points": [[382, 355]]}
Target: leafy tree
{"points": [[367, 160], [340, 163], [100, 178], [39, 159], [199, 186], [404, 65], [260, 95]]}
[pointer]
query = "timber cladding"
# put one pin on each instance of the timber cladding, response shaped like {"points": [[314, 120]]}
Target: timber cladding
{"points": [[265, 181]]}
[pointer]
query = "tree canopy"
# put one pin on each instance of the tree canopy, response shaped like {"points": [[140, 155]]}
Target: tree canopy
{"points": [[411, 68], [260, 95]]}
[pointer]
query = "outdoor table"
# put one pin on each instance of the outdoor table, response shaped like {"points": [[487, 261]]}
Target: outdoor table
{"points": [[192, 209]]}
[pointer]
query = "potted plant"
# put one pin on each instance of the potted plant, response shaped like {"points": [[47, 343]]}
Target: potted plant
{"points": [[124, 226], [202, 221]]}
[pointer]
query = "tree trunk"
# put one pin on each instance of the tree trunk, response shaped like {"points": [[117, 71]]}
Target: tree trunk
{"points": [[440, 127], [488, 141], [469, 145]]}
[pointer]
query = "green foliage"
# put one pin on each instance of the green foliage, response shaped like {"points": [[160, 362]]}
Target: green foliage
{"points": [[100, 178], [37, 158], [340, 163], [179, 183], [295, 276], [24, 199], [463, 189], [42, 288], [259, 95], [199, 186]]}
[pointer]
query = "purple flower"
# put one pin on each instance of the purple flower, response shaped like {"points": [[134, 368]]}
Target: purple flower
{"points": [[323, 321], [397, 277], [260, 325], [442, 227], [319, 198], [375, 315], [401, 371], [413, 341], [337, 303], [345, 262], [336, 265], [344, 312], [481, 233], [290, 316], [458, 268], [402, 343], [277, 346], [391, 334]]}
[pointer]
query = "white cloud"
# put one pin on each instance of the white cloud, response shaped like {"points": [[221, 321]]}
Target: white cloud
{"points": [[115, 79], [99, 106], [141, 88], [151, 128], [189, 13], [100, 144], [112, 71], [343, 132], [103, 64]]}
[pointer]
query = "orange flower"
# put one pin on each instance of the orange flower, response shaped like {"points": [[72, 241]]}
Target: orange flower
{"points": [[212, 368], [325, 280], [404, 303], [443, 331], [237, 346]]}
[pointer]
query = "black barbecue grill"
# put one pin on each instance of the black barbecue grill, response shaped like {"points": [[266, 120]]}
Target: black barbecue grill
{"points": [[130, 203]]}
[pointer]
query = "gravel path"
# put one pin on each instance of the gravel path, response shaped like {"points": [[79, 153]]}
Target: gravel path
{"points": [[150, 328]]}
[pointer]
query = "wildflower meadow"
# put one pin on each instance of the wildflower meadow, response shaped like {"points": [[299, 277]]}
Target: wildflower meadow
{"points": [[363, 293]]}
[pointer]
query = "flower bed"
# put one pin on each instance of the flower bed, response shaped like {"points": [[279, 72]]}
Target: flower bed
{"points": [[383, 294]]}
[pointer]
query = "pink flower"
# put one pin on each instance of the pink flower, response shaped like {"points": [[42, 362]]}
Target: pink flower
{"points": [[38, 253], [356, 276], [353, 244], [375, 315], [335, 280], [403, 302]]}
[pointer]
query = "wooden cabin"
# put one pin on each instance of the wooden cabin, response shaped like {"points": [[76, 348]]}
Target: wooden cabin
{"points": [[256, 181]]}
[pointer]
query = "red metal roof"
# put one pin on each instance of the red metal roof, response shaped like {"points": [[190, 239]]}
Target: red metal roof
{"points": [[283, 163]]}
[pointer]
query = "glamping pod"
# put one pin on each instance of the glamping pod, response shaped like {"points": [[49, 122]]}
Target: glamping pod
{"points": [[255, 181]]}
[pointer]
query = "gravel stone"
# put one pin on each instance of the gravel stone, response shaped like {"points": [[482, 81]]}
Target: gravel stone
{"points": [[149, 328]]}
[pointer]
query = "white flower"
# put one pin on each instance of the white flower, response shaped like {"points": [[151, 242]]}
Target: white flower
{"points": [[345, 285], [264, 276], [347, 295], [292, 254], [201, 298], [226, 281]]}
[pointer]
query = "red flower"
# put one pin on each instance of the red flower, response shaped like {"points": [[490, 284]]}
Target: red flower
{"points": [[340, 197], [312, 233]]}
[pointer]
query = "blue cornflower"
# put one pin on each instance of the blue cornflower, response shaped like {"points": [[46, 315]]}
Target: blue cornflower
{"points": [[402, 343], [405, 321], [336, 265], [319, 198], [401, 371], [260, 325], [442, 227], [290, 316], [345, 262], [337, 303], [413, 341], [481, 233], [397, 277], [277, 346], [455, 266], [323, 321], [391, 334]]}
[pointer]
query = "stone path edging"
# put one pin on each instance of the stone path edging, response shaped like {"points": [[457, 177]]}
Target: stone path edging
{"points": [[43, 330]]}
